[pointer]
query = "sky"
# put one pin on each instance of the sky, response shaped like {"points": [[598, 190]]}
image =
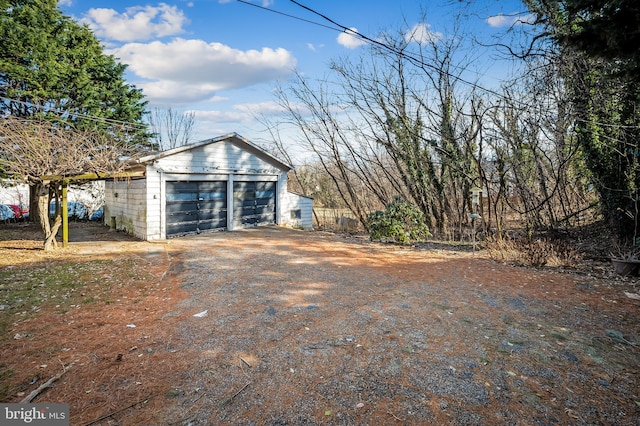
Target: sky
{"points": [[223, 59]]}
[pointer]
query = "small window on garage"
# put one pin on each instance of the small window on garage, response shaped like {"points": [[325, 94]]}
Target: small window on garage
{"points": [[296, 214]]}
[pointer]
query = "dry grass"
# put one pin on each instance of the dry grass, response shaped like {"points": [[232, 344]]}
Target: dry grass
{"points": [[73, 306], [543, 251]]}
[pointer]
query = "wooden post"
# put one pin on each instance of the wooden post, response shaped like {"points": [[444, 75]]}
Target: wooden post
{"points": [[65, 215]]}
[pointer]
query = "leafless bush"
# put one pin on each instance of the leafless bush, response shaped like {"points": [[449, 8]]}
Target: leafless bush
{"points": [[543, 251], [347, 224]]}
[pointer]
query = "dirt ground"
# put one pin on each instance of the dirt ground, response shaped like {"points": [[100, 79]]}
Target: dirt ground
{"points": [[272, 326]]}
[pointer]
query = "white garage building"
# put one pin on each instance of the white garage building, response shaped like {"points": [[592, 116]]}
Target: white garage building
{"points": [[217, 184]]}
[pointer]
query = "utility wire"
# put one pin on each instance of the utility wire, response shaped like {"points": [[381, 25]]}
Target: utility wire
{"points": [[411, 57], [342, 29], [89, 117], [288, 15], [396, 51]]}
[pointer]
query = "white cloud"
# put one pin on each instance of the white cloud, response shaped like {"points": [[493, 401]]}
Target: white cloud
{"points": [[136, 23], [421, 34], [223, 116], [244, 113], [349, 40], [313, 47], [166, 92], [498, 21], [218, 99], [65, 2], [258, 108], [197, 69], [501, 20]]}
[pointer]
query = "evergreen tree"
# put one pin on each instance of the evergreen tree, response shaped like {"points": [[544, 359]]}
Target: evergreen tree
{"points": [[49, 63], [597, 42], [54, 69]]}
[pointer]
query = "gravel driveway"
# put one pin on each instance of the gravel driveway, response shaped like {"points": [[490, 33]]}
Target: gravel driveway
{"points": [[311, 328]]}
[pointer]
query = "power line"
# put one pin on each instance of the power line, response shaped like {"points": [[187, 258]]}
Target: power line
{"points": [[411, 57], [396, 51], [343, 29], [89, 117], [287, 15]]}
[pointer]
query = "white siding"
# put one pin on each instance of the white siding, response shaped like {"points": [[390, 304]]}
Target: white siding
{"points": [[281, 200], [125, 206], [297, 211], [217, 161], [220, 157], [155, 205], [140, 205]]}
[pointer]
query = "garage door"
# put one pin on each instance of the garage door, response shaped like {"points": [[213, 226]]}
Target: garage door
{"points": [[194, 207], [254, 203]]}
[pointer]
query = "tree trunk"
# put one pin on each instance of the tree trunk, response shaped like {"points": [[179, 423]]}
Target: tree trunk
{"points": [[41, 190], [50, 242], [33, 203]]}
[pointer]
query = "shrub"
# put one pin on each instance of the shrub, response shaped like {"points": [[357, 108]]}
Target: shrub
{"points": [[401, 222]]}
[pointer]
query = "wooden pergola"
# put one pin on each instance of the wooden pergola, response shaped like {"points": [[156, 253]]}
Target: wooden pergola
{"points": [[85, 177]]}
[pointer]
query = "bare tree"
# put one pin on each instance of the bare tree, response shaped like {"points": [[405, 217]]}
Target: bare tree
{"points": [[403, 120], [171, 128], [45, 155], [313, 112], [537, 169], [394, 123]]}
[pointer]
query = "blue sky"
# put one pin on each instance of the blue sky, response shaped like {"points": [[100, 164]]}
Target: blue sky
{"points": [[222, 59]]}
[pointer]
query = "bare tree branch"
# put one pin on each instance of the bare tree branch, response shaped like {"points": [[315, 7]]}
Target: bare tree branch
{"points": [[44, 154]]}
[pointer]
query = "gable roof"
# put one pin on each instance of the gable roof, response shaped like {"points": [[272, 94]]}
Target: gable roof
{"points": [[234, 138]]}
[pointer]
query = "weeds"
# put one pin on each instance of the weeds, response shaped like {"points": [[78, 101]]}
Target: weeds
{"points": [[544, 251]]}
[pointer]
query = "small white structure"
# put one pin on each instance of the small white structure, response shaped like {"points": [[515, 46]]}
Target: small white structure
{"points": [[224, 183]]}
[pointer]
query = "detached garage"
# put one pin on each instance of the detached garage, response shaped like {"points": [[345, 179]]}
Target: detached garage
{"points": [[224, 183]]}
